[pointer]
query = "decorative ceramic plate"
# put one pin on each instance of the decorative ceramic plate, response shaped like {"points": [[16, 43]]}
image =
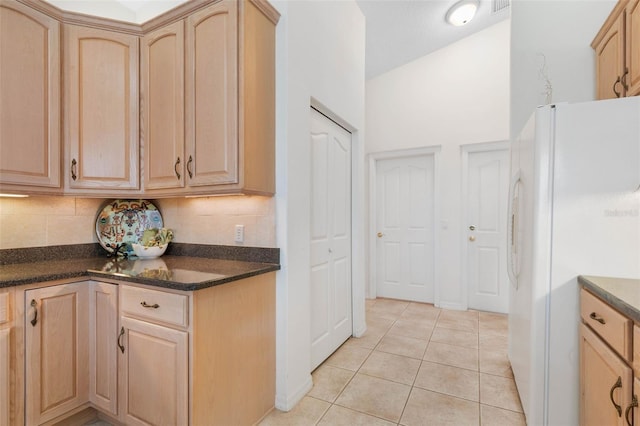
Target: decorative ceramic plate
{"points": [[124, 221]]}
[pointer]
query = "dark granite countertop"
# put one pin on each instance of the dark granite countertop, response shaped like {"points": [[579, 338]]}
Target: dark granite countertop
{"points": [[187, 267], [621, 293]]}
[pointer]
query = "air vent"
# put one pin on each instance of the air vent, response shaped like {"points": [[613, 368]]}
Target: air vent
{"points": [[499, 5]]}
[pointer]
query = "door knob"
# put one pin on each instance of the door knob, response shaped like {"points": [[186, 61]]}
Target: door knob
{"points": [[472, 238], [380, 234], [472, 228]]}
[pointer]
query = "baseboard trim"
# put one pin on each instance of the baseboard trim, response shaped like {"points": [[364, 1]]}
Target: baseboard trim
{"points": [[286, 403]]}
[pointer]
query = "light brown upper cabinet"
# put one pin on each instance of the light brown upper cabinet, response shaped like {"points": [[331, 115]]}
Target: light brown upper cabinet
{"points": [[29, 99], [228, 87], [617, 48], [162, 106], [101, 110]]}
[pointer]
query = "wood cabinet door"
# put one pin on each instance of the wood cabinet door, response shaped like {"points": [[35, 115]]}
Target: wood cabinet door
{"points": [[29, 97], [56, 334], [4, 376], [605, 382], [633, 48], [101, 109], [163, 107], [610, 61], [154, 374], [212, 95], [103, 350]]}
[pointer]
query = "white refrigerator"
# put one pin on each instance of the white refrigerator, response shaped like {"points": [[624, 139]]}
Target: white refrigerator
{"points": [[574, 210]]}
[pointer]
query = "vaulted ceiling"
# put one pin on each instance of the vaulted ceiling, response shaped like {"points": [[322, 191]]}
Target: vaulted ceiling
{"points": [[397, 31]]}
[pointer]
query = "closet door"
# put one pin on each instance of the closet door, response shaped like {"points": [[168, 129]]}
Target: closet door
{"points": [[331, 317]]}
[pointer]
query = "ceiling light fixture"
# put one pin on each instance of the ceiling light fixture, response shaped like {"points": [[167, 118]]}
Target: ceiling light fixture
{"points": [[462, 12]]}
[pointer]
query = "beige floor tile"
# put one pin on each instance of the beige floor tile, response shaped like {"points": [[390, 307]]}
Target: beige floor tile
{"points": [[392, 367], [456, 315], [380, 322], [369, 339], [418, 329], [499, 392], [369, 303], [329, 381], [307, 412], [426, 407], [492, 323], [495, 362], [455, 356], [340, 416], [400, 345], [454, 381], [492, 416], [467, 339], [421, 311], [494, 342], [348, 357], [388, 308], [374, 396], [463, 324]]}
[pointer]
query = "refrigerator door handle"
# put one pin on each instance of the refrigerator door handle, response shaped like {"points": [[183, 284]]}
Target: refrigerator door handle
{"points": [[512, 230]]}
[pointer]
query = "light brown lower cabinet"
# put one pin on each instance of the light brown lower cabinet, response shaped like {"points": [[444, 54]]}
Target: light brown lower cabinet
{"points": [[606, 382], [56, 336], [141, 355], [5, 356], [103, 357], [154, 374]]}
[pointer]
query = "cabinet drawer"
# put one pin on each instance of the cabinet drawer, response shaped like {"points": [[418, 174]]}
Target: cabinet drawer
{"points": [[608, 323], [169, 308]]}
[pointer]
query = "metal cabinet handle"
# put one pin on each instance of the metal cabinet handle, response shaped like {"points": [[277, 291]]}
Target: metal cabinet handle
{"points": [[74, 166], [380, 235], [634, 403], [615, 386], [120, 345], [189, 167], [614, 87], [34, 304], [145, 305], [623, 80], [595, 317], [175, 168]]}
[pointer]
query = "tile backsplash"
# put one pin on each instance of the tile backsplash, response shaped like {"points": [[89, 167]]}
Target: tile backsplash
{"points": [[49, 221]]}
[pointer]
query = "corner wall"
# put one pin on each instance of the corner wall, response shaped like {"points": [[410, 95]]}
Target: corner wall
{"points": [[562, 31], [455, 96], [320, 61]]}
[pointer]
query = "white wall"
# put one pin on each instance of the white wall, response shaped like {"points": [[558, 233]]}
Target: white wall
{"points": [[320, 60], [455, 96], [562, 31]]}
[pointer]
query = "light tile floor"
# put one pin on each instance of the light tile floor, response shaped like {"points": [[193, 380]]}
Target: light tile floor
{"points": [[415, 365]]}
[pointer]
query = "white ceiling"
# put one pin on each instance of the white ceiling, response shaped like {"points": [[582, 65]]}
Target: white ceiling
{"points": [[136, 11], [397, 31], [400, 31]]}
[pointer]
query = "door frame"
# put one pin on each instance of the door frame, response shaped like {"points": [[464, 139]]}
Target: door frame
{"points": [[465, 150], [373, 158]]}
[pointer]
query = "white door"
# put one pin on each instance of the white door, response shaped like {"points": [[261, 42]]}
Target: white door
{"points": [[405, 208], [331, 322], [487, 187]]}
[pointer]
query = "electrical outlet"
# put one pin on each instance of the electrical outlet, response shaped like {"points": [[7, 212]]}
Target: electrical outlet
{"points": [[239, 234]]}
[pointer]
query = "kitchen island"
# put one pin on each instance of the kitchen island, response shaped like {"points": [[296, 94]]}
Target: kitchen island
{"points": [[180, 339]]}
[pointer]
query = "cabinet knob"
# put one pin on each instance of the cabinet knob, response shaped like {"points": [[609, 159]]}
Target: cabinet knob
{"points": [[380, 235], [472, 238]]}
